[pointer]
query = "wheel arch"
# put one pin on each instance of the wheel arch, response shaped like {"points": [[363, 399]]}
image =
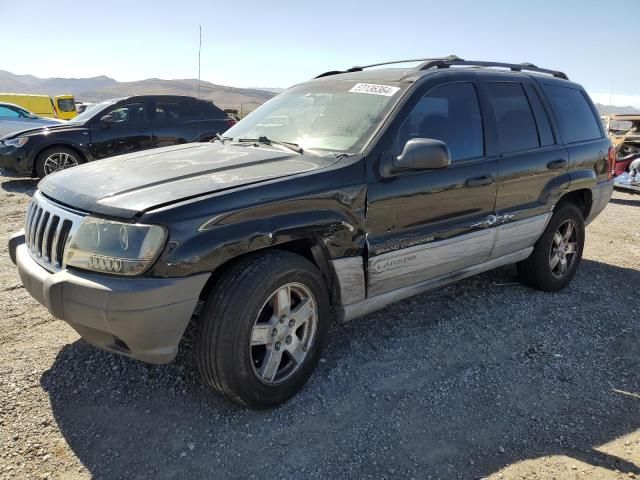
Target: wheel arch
{"points": [[581, 198], [309, 248], [83, 155]]}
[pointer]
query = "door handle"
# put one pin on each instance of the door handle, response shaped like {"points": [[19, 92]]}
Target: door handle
{"points": [[479, 181], [557, 164]]}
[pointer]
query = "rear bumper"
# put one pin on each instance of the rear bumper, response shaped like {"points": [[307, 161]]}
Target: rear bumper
{"points": [[143, 318], [600, 195]]}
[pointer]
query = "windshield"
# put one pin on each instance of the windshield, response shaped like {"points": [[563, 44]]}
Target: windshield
{"points": [[328, 115], [91, 111]]}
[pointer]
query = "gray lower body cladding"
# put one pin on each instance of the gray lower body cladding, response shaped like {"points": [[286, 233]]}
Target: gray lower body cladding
{"points": [[401, 274]]}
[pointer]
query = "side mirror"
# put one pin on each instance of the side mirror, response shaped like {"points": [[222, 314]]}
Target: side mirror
{"points": [[421, 154], [106, 121]]}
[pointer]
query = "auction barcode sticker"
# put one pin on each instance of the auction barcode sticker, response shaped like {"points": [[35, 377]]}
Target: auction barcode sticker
{"points": [[373, 89]]}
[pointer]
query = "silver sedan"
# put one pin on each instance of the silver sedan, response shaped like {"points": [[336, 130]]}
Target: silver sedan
{"points": [[14, 119]]}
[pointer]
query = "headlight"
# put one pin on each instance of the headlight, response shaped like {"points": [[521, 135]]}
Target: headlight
{"points": [[114, 247], [16, 142]]}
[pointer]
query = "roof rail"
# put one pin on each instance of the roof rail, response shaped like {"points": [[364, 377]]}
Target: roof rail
{"points": [[454, 61]]}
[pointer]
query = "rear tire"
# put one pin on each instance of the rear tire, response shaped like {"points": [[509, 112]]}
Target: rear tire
{"points": [[55, 159], [557, 253], [265, 311]]}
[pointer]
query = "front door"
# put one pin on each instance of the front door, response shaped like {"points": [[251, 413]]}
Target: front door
{"points": [[426, 224], [125, 129]]}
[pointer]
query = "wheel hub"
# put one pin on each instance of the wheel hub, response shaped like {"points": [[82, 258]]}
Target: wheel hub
{"points": [[283, 333]]}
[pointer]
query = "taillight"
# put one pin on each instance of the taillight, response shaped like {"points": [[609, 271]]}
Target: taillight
{"points": [[611, 162], [231, 122]]}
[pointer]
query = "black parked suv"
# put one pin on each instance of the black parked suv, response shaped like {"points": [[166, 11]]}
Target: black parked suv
{"points": [[113, 127], [345, 193]]}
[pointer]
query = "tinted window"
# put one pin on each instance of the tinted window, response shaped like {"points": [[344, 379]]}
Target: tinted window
{"points": [[171, 111], [209, 110], [449, 113], [8, 112], [575, 117], [516, 125], [542, 120], [129, 113]]}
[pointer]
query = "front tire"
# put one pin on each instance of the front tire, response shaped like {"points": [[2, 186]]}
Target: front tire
{"points": [[55, 159], [262, 329], [557, 253]]}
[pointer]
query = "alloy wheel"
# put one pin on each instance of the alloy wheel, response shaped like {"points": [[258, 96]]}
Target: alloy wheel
{"points": [[283, 333], [59, 161], [564, 248]]}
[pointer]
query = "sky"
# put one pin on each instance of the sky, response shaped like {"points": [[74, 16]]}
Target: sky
{"points": [[274, 43]]}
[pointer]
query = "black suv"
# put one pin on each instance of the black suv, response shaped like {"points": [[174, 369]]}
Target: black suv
{"points": [[113, 127], [345, 193]]}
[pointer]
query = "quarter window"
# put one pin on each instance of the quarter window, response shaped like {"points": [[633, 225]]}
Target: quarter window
{"points": [[575, 117], [516, 125], [449, 113]]}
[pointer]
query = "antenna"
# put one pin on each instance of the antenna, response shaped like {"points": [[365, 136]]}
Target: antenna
{"points": [[199, 55]]}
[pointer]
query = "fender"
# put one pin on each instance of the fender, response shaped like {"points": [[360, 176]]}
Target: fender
{"points": [[82, 148], [584, 178], [331, 223]]}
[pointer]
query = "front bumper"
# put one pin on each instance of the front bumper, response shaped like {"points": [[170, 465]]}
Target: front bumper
{"points": [[143, 318], [14, 159]]}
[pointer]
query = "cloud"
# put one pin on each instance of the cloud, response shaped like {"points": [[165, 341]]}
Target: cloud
{"points": [[615, 99]]}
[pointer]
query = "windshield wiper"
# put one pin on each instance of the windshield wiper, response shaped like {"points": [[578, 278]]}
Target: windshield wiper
{"points": [[219, 137], [267, 141]]}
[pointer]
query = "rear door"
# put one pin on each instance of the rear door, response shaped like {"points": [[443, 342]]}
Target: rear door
{"points": [[173, 122], [581, 130], [128, 130], [532, 163], [429, 223]]}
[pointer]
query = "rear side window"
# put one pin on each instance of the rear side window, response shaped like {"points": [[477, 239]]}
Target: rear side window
{"points": [[449, 113], [516, 124], [171, 111], [575, 117], [542, 120]]}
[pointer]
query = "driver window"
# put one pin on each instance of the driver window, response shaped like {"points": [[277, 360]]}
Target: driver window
{"points": [[449, 113], [129, 113]]}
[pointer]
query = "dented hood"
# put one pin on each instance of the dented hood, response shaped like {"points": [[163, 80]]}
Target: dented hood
{"points": [[127, 185]]}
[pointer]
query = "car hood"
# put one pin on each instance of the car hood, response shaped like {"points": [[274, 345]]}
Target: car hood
{"points": [[127, 185], [46, 129]]}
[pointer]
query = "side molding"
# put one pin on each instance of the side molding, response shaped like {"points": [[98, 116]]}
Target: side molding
{"points": [[371, 304]]}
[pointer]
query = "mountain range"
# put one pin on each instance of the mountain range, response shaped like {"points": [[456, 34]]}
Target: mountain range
{"points": [[96, 89]]}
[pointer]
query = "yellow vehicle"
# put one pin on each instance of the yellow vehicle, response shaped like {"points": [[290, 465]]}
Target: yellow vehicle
{"points": [[62, 107], [66, 106]]}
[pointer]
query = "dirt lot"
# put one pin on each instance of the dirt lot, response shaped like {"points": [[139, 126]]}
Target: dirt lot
{"points": [[484, 378]]}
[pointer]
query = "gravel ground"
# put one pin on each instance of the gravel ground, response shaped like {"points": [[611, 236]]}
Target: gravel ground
{"points": [[483, 378]]}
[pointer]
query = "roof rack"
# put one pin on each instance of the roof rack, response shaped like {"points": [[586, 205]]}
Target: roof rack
{"points": [[454, 61]]}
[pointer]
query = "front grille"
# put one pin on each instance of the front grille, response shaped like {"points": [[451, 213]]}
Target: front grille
{"points": [[48, 229]]}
